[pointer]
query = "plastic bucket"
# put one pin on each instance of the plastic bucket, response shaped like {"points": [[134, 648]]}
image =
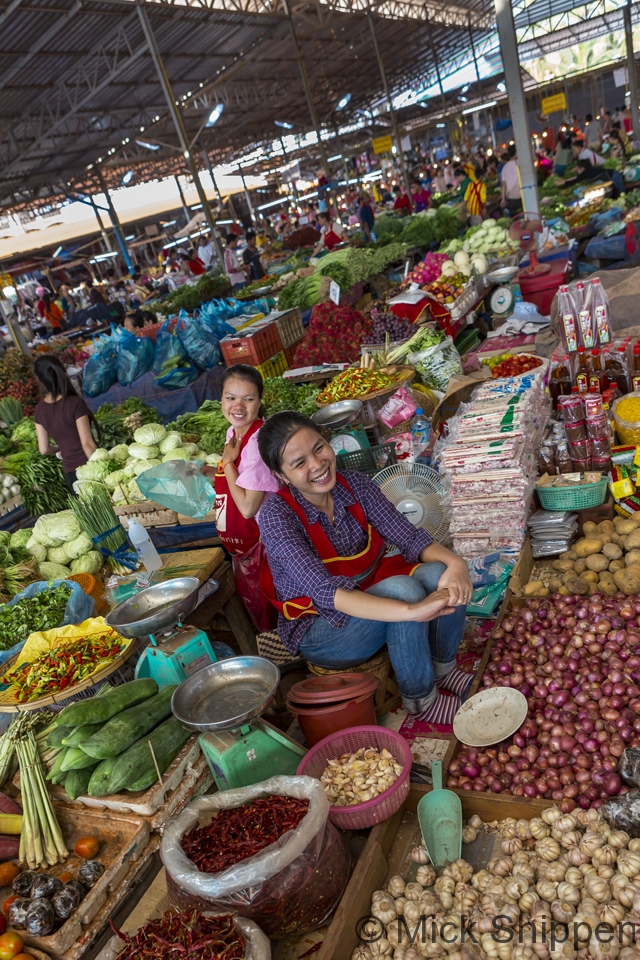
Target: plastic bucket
{"points": [[541, 290], [327, 704]]}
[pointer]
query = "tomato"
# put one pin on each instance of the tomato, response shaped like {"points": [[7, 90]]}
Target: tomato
{"points": [[11, 945], [86, 847], [24, 956], [7, 903], [65, 877], [8, 873]]}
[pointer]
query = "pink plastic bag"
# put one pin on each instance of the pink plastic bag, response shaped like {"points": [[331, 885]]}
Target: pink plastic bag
{"points": [[398, 408]]}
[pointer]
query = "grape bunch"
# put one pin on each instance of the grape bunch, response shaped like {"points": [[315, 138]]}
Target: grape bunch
{"points": [[387, 323]]}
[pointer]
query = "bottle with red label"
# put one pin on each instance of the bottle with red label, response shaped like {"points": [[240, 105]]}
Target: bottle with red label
{"points": [[583, 371], [586, 323], [635, 372], [568, 316], [598, 378], [601, 314]]}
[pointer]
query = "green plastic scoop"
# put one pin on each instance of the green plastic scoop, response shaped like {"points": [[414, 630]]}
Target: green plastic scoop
{"points": [[440, 818]]}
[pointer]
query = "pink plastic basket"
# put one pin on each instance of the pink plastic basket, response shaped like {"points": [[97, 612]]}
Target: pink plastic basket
{"points": [[362, 815]]}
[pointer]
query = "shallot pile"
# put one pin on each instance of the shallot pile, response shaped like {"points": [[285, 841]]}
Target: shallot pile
{"points": [[577, 661]]}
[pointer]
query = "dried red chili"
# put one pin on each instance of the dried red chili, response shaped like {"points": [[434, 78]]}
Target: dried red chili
{"points": [[183, 935], [241, 832]]}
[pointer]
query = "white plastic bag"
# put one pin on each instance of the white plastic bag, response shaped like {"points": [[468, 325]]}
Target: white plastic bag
{"points": [[291, 886], [258, 946]]}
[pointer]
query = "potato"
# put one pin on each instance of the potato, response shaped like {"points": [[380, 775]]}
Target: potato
{"points": [[633, 556], [606, 577], [588, 527], [577, 585], [609, 589], [616, 565], [584, 548], [612, 551], [568, 555], [599, 562], [532, 587], [580, 566], [564, 592], [593, 588], [563, 565], [616, 538], [633, 540], [590, 575], [605, 526], [624, 527], [628, 580], [555, 583]]}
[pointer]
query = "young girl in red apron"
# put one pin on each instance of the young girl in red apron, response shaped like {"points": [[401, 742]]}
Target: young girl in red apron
{"points": [[241, 482]]}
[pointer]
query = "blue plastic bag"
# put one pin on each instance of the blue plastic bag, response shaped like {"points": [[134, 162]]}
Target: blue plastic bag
{"points": [[169, 348], [134, 355], [199, 343], [178, 485], [101, 370], [211, 318], [80, 606]]}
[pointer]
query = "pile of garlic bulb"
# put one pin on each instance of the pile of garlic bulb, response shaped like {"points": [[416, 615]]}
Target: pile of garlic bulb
{"points": [[360, 776], [557, 869]]}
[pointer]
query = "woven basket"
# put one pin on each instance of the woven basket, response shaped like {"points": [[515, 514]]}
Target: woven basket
{"points": [[378, 666], [94, 588], [421, 399], [407, 377]]}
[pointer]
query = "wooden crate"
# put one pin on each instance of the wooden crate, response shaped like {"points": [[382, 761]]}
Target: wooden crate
{"points": [[186, 521], [386, 854], [148, 514]]}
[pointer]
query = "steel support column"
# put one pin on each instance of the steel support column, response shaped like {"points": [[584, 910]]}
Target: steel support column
{"points": [[105, 235], [185, 208], [517, 104], [631, 70], [214, 233], [113, 216], [436, 63], [176, 116], [247, 197], [392, 113]]}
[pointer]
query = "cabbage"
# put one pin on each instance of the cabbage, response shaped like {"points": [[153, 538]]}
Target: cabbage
{"points": [[201, 455], [119, 495], [58, 554], [119, 452], [142, 452], [135, 493], [54, 571], [53, 529], [172, 441], [180, 454], [89, 563], [141, 465], [20, 538], [96, 469], [99, 454], [213, 459], [37, 550], [75, 548], [150, 435], [130, 469], [113, 479], [191, 448]]}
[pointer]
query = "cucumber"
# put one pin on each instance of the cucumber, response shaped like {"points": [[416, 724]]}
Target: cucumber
{"points": [[56, 769], [98, 709], [100, 778], [135, 769], [54, 739], [76, 759], [77, 781], [76, 735], [124, 729]]}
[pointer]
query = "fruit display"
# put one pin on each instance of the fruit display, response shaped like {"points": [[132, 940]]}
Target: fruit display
{"points": [[388, 325], [447, 289], [428, 269], [511, 364], [17, 380]]}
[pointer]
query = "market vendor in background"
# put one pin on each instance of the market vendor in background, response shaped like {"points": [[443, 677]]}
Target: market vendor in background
{"points": [[475, 197], [328, 236], [231, 263], [367, 217], [587, 173], [421, 197], [241, 482], [340, 597], [63, 415], [402, 201], [251, 257]]}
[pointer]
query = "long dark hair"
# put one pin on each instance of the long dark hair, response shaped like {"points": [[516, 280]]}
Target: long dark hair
{"points": [[244, 372], [54, 381], [276, 432]]}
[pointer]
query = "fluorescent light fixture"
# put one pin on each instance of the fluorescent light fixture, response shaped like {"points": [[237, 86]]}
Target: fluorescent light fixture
{"points": [[440, 124], [197, 206], [224, 221], [215, 114], [284, 124], [128, 177], [147, 145], [465, 88], [374, 175], [338, 156], [483, 106], [343, 102], [274, 203], [308, 196], [104, 256], [57, 252], [168, 223], [131, 236]]}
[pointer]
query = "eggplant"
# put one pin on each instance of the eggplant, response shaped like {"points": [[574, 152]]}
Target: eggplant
{"points": [[41, 918], [9, 847], [90, 872], [79, 887], [66, 901], [18, 913], [7, 805], [45, 885], [23, 883]]}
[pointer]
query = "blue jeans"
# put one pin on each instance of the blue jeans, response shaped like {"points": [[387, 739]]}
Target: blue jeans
{"points": [[419, 652]]}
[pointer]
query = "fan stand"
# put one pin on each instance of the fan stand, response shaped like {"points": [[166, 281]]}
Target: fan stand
{"points": [[523, 228]]}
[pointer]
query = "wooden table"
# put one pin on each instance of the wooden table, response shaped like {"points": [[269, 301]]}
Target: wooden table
{"points": [[211, 563]]}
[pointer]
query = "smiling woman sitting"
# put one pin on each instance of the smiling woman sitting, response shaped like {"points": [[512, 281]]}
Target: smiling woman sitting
{"points": [[340, 591]]}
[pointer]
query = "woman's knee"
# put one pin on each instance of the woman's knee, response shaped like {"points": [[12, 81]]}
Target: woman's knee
{"points": [[428, 574], [399, 588]]}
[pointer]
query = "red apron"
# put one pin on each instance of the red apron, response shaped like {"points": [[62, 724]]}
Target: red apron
{"points": [[241, 537], [365, 568], [332, 239]]}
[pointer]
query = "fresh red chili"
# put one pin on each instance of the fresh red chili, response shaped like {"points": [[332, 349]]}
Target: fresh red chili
{"points": [[182, 935]]}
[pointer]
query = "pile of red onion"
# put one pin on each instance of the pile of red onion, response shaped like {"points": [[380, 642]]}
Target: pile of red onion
{"points": [[577, 661]]}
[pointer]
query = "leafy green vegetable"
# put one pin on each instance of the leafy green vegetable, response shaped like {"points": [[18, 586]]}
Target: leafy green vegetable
{"points": [[279, 395], [24, 434], [206, 425], [44, 611], [43, 485], [424, 230]]}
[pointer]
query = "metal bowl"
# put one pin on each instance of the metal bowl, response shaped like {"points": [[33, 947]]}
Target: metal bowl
{"points": [[156, 609], [226, 694], [502, 274], [338, 414]]}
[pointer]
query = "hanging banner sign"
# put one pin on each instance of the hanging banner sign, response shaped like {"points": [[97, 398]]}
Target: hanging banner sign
{"points": [[382, 144], [554, 104]]}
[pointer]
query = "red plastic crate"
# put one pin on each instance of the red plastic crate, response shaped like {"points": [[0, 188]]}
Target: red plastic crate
{"points": [[254, 345], [290, 351]]}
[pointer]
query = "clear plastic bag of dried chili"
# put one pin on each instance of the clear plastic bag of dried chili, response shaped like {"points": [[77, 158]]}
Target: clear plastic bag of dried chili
{"points": [[289, 887]]}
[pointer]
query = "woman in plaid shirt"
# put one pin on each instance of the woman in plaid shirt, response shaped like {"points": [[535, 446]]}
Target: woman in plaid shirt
{"points": [[341, 594]]}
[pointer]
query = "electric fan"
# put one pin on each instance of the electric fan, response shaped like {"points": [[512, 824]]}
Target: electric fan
{"points": [[416, 491], [524, 227]]}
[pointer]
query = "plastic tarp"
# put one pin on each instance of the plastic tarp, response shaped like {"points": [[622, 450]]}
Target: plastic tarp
{"points": [[168, 403]]}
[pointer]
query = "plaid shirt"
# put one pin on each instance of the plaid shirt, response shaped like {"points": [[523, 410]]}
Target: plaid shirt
{"points": [[297, 569]]}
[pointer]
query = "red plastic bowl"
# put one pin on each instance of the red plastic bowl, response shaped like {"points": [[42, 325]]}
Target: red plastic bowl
{"points": [[367, 814]]}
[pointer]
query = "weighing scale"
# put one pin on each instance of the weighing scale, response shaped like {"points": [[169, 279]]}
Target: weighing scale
{"points": [[158, 612], [337, 417], [504, 296], [224, 701]]}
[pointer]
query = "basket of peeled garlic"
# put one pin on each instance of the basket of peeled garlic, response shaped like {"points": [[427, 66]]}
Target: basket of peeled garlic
{"points": [[556, 887]]}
